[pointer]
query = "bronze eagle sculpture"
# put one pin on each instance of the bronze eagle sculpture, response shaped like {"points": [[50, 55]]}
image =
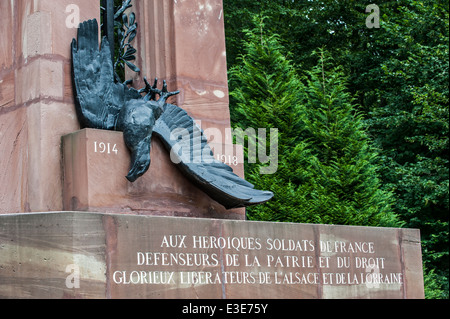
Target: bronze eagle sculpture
{"points": [[102, 103]]}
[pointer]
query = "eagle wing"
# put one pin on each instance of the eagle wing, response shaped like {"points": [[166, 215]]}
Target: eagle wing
{"points": [[98, 99], [189, 150]]}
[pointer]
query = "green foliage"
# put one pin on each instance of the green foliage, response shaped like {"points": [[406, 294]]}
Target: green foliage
{"points": [[345, 162], [327, 169], [125, 31], [266, 93], [436, 286], [411, 122], [398, 75]]}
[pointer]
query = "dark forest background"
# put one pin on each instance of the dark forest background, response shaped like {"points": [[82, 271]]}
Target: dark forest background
{"points": [[362, 113]]}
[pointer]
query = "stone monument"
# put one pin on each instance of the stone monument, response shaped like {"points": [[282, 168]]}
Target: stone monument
{"points": [[72, 225]]}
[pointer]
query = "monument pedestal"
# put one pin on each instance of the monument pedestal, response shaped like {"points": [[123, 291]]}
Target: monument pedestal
{"points": [[117, 247], [96, 163], [95, 255]]}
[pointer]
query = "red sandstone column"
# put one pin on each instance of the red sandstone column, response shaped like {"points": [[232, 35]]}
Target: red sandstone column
{"points": [[183, 42], [36, 100]]}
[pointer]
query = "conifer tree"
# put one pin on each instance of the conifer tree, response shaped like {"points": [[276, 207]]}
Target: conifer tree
{"points": [[400, 75], [345, 186], [265, 93], [327, 166], [266, 88]]}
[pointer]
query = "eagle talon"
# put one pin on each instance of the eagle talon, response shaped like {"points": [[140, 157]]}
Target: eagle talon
{"points": [[151, 91]]}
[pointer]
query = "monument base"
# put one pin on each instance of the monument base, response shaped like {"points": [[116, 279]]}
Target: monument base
{"points": [[97, 161], [96, 255]]}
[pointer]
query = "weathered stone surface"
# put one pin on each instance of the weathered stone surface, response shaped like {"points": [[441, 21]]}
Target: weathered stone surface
{"points": [[47, 122], [13, 161], [184, 42], [96, 163], [6, 90], [35, 77], [36, 251], [6, 35], [123, 256], [36, 100], [39, 79]]}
